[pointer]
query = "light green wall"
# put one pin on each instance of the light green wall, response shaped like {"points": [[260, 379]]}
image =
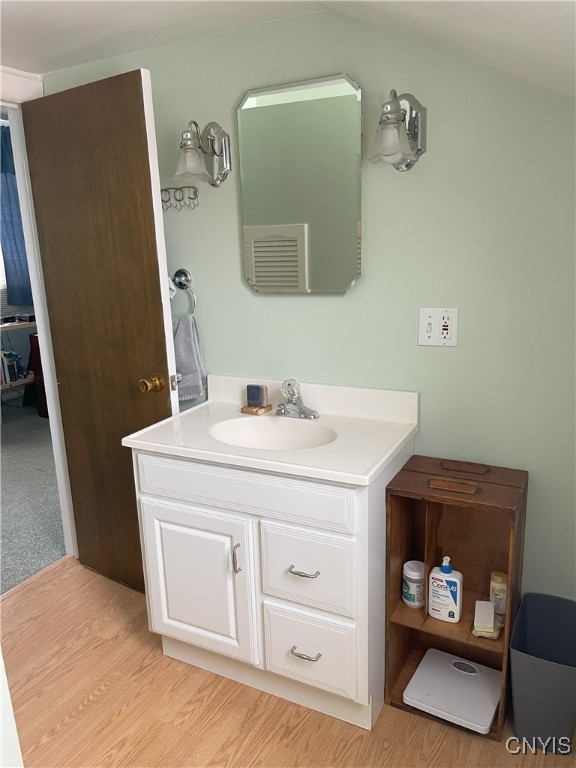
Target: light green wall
{"points": [[485, 223]]}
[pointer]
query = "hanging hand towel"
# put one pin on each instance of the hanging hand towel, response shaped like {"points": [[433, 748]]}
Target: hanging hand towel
{"points": [[189, 358]]}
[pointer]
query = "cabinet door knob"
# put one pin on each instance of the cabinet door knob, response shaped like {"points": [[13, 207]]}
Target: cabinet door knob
{"points": [[304, 575], [235, 565], [154, 384], [304, 656]]}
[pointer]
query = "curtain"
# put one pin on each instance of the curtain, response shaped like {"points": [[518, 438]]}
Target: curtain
{"points": [[11, 233]]}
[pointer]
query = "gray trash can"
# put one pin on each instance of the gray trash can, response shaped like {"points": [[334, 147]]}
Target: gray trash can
{"points": [[543, 667]]}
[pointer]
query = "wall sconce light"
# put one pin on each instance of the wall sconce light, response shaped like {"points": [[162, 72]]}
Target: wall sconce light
{"points": [[401, 134], [205, 155]]}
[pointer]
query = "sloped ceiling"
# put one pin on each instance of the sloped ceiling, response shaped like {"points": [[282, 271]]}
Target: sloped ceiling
{"points": [[529, 39], [535, 41]]}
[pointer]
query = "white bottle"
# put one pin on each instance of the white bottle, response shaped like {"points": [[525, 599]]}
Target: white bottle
{"points": [[413, 584], [445, 595]]}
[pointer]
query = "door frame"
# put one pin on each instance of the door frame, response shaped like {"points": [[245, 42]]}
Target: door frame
{"points": [[20, 91], [17, 88]]}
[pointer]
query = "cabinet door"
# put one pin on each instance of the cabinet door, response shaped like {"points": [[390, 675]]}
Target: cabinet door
{"points": [[200, 577]]}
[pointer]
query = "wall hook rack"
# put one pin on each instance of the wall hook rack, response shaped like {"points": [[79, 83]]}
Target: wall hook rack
{"points": [[179, 198]]}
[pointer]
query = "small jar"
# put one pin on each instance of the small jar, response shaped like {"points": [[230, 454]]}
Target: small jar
{"points": [[413, 583], [498, 591]]}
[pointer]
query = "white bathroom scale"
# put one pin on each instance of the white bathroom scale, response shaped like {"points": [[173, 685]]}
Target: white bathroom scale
{"points": [[455, 689]]}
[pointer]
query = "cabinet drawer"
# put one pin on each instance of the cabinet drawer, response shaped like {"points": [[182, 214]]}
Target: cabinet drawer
{"points": [[316, 569], [325, 506], [328, 644]]}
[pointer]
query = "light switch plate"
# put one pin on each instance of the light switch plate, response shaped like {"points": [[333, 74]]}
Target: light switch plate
{"points": [[437, 327]]}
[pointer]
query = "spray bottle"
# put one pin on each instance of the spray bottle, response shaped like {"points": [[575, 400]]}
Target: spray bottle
{"points": [[445, 595]]}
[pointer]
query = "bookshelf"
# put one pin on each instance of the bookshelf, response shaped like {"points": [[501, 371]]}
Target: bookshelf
{"points": [[19, 383], [17, 326]]}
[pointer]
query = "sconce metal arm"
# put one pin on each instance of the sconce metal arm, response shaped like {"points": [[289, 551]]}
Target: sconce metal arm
{"points": [[187, 140]]}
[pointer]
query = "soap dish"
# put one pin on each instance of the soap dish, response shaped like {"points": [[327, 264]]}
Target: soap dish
{"points": [[255, 410]]}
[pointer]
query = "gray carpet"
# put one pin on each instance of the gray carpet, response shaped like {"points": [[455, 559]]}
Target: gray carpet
{"points": [[31, 525]]}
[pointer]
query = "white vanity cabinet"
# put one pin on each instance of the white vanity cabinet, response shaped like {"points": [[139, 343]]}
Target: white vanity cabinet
{"points": [[271, 580], [268, 566]]}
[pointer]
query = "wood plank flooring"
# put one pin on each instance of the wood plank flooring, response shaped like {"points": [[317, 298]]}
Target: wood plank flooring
{"points": [[90, 687]]}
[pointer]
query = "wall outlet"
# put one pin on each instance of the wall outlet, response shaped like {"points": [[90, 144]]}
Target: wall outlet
{"points": [[437, 327]]}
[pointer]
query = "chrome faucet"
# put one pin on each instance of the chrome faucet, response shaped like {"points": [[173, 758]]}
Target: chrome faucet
{"points": [[294, 405]]}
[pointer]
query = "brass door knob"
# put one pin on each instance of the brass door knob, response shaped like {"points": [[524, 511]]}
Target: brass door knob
{"points": [[154, 384]]}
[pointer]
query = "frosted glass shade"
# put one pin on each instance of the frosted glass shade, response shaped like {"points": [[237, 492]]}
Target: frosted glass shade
{"points": [[392, 145], [191, 163]]}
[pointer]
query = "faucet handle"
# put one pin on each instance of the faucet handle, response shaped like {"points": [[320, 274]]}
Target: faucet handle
{"points": [[290, 389], [294, 405]]}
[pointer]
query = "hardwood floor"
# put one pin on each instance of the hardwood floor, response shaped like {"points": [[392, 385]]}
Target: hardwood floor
{"points": [[90, 687]]}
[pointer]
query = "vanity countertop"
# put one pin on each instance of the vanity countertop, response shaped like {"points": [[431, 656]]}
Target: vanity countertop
{"points": [[371, 425]]}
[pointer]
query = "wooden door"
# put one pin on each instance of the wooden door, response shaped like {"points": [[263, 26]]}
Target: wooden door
{"points": [[200, 577], [96, 197]]}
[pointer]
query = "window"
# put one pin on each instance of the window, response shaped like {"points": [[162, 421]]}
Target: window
{"points": [[14, 261]]}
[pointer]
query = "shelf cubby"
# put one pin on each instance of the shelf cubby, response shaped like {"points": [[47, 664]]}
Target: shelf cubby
{"points": [[475, 514]]}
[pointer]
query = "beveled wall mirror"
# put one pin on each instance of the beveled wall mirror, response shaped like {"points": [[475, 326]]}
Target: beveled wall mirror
{"points": [[299, 150]]}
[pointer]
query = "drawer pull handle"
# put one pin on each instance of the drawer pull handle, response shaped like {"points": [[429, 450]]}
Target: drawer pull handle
{"points": [[303, 655], [304, 575], [235, 565]]}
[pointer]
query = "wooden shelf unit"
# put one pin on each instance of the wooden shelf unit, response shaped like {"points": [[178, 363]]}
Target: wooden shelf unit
{"points": [[18, 383], [30, 378], [475, 514], [16, 326]]}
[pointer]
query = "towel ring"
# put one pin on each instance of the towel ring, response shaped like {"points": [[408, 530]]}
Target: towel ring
{"points": [[183, 279]]}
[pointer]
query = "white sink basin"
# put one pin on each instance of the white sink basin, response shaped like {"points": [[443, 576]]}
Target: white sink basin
{"points": [[273, 433]]}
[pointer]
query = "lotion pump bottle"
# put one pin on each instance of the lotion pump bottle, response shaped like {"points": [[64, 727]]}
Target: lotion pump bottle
{"points": [[445, 595]]}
